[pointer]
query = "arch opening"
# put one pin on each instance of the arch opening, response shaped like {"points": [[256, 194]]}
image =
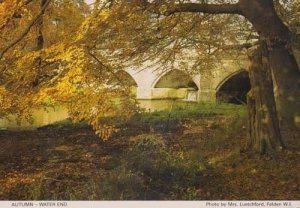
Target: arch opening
{"points": [[234, 89], [175, 84], [176, 79]]}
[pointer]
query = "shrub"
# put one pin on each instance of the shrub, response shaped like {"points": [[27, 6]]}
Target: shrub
{"points": [[165, 174]]}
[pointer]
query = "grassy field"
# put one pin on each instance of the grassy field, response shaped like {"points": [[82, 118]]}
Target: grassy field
{"points": [[188, 152]]}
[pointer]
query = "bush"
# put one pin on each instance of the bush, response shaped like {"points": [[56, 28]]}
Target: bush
{"points": [[165, 174]]}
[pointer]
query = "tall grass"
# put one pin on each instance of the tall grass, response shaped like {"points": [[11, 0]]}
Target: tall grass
{"points": [[187, 110]]}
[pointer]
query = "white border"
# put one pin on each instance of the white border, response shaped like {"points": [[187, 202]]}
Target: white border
{"points": [[149, 204]]}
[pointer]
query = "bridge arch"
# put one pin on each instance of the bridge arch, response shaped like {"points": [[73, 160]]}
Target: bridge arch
{"points": [[175, 84], [175, 79], [234, 88], [124, 77]]}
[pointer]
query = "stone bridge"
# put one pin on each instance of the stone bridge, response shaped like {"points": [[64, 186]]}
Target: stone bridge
{"points": [[228, 82]]}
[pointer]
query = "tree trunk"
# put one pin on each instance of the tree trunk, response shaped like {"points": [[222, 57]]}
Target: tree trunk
{"points": [[40, 22], [286, 74], [39, 44], [264, 131]]}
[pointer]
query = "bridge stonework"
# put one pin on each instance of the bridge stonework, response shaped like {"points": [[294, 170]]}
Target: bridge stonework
{"points": [[206, 83]]}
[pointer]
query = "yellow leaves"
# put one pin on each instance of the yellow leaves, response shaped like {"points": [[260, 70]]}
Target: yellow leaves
{"points": [[12, 103], [63, 52], [74, 54], [104, 14], [5, 100], [7, 10], [54, 52], [93, 25], [63, 73], [105, 131]]}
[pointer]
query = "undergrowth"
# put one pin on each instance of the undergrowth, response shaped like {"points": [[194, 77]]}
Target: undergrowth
{"points": [[155, 166]]}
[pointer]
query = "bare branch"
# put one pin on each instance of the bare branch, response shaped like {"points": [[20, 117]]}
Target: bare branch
{"points": [[205, 8], [106, 67], [240, 46]]}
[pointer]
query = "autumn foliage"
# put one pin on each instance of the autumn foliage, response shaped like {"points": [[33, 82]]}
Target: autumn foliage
{"points": [[65, 52], [66, 71]]}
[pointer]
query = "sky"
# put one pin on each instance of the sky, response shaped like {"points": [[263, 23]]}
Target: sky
{"points": [[89, 1]]}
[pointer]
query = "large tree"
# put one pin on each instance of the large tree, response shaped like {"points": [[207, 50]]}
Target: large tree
{"points": [[171, 28], [281, 65], [278, 37]]}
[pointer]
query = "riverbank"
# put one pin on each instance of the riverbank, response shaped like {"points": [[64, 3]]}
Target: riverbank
{"points": [[178, 154]]}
